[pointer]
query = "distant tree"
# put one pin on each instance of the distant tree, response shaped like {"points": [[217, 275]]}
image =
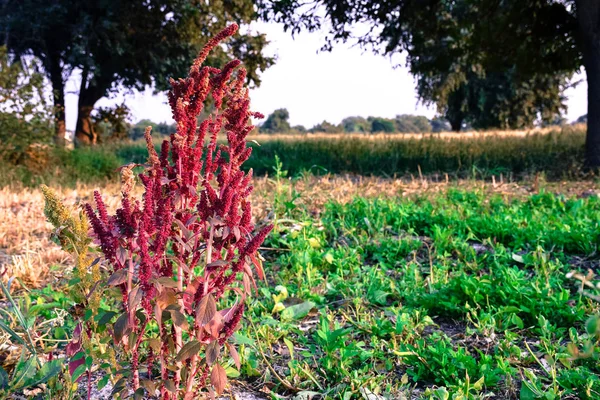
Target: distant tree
{"points": [[165, 129], [382, 125], [558, 121], [412, 124], [112, 123], [117, 44], [326, 127], [299, 129], [582, 119], [137, 130], [356, 124], [529, 45], [277, 122], [496, 100], [439, 124]]}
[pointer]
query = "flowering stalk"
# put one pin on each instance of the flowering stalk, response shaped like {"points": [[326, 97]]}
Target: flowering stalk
{"points": [[186, 249]]}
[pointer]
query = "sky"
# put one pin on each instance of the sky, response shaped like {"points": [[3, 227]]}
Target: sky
{"points": [[316, 86]]}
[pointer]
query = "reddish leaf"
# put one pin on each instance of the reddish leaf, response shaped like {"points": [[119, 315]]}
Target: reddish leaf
{"points": [[214, 326], [206, 309], [121, 327], [121, 255], [218, 263], [259, 267], [234, 354], [213, 350], [135, 297], [166, 282], [75, 345], [166, 298], [188, 350], [218, 378], [179, 320], [117, 278]]}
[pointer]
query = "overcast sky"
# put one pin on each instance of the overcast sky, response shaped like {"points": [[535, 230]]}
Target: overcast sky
{"points": [[316, 86]]}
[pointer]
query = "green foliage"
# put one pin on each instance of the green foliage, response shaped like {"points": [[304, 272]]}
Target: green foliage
{"points": [[136, 132], [277, 122], [458, 294], [413, 124], [379, 124], [111, 122], [25, 117], [19, 321], [326, 127], [356, 124]]}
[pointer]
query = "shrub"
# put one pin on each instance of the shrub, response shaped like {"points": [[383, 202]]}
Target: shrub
{"points": [[181, 258]]}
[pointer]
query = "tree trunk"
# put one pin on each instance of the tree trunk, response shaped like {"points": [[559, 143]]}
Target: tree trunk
{"points": [[456, 124], [58, 97], [588, 14], [89, 94]]}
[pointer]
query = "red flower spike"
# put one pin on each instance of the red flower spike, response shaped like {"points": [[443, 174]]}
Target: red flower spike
{"points": [[190, 241]]}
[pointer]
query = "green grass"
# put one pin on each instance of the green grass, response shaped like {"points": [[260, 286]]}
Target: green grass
{"points": [[460, 294]]}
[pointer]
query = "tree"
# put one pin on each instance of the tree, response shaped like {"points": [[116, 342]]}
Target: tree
{"points": [[356, 124], [326, 127], [531, 41], [277, 122], [382, 125], [412, 124], [115, 44], [439, 124]]}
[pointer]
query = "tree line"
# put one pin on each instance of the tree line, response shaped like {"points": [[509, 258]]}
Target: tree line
{"points": [[278, 122]]}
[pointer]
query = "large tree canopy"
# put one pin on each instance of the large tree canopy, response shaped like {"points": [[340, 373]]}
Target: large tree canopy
{"points": [[493, 63], [129, 44]]}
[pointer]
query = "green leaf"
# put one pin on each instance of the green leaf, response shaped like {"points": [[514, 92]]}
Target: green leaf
{"points": [[526, 392], [591, 325], [102, 382], [104, 318], [4, 380], [241, 339], [78, 372], [518, 258], [47, 372], [297, 311]]}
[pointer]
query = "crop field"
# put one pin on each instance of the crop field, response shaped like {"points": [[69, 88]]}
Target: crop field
{"points": [[379, 288], [508, 155]]}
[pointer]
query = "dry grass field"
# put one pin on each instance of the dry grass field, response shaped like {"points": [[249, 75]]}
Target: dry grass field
{"points": [[28, 254]]}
